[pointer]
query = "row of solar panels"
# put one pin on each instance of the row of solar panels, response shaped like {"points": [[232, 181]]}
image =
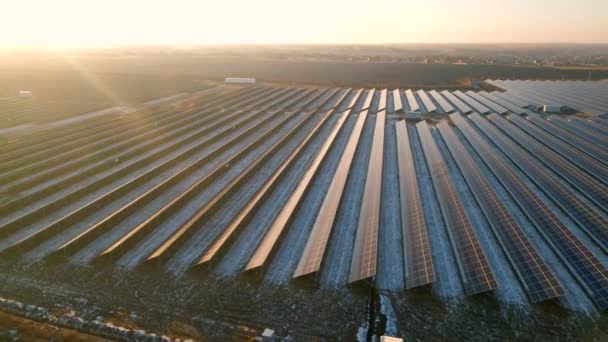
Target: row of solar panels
{"points": [[446, 102], [588, 97], [532, 154]]}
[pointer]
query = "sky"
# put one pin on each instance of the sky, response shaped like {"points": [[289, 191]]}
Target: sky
{"points": [[93, 23]]}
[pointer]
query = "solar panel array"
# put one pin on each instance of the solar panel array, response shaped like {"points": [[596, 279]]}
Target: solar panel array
{"points": [[475, 270], [491, 104], [445, 105], [588, 219], [461, 106], [365, 254], [592, 274], [418, 263], [589, 97], [296, 182], [284, 216], [592, 188], [314, 251], [538, 281], [596, 139], [479, 108], [582, 145], [586, 163]]}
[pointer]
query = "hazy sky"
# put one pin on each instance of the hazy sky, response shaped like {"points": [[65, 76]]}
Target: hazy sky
{"points": [[120, 22]]}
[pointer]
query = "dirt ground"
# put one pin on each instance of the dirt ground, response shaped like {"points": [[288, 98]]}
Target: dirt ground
{"points": [[13, 328]]}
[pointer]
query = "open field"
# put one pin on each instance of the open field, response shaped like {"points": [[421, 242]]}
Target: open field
{"points": [[64, 86]]}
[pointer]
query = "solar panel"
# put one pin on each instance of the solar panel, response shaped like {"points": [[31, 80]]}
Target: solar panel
{"points": [[495, 107], [282, 219], [365, 253], [515, 98], [185, 231], [445, 105], [382, 101], [506, 104], [397, 100], [538, 281], [87, 233], [314, 251], [601, 121], [480, 108], [590, 125], [418, 262], [587, 185], [581, 133], [546, 95], [579, 211], [584, 162], [588, 269], [172, 242], [462, 107], [430, 106], [476, 273], [574, 140], [599, 135], [166, 212], [411, 99]]}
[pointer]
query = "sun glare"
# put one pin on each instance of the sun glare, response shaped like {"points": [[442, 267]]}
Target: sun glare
{"points": [[112, 22]]}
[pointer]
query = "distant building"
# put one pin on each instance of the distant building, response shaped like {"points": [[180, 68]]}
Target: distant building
{"points": [[240, 80], [25, 94]]}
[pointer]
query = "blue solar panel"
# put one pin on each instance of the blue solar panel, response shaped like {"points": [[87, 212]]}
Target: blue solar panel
{"points": [[592, 274]]}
